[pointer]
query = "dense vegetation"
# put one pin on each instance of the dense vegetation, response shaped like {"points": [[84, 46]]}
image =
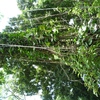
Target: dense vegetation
{"points": [[53, 46]]}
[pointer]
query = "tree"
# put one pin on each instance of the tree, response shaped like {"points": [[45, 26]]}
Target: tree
{"points": [[59, 49]]}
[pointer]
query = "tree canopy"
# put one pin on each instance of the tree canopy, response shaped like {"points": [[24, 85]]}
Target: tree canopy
{"points": [[53, 46]]}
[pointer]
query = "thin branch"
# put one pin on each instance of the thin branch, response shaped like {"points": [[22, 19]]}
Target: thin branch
{"points": [[65, 72], [38, 61], [63, 20], [22, 46], [44, 9], [13, 94], [32, 47], [68, 76], [50, 49], [37, 18]]}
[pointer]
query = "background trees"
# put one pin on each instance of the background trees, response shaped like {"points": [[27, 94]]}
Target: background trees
{"points": [[54, 47]]}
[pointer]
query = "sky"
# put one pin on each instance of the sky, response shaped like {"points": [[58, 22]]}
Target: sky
{"points": [[8, 8]]}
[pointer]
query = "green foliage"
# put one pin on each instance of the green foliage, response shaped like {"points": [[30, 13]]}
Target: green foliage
{"points": [[2, 77], [55, 50]]}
